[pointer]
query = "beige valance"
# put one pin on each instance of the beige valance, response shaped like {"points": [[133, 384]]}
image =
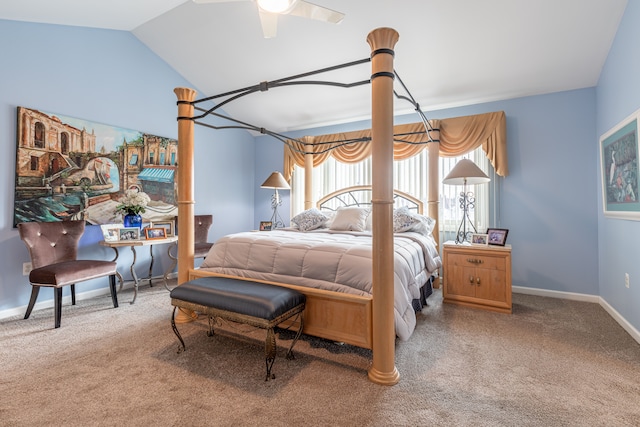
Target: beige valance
{"points": [[457, 136]]}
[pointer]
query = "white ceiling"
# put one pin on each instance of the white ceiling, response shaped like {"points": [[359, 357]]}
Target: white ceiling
{"points": [[450, 52]]}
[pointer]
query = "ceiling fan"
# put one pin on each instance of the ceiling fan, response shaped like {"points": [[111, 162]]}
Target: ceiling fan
{"points": [[270, 9]]}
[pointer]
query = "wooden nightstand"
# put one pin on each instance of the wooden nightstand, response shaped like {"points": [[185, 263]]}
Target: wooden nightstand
{"points": [[477, 276]]}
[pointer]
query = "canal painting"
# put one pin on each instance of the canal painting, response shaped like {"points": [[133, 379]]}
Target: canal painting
{"points": [[69, 168]]}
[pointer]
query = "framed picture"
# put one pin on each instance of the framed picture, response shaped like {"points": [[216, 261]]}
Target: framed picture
{"points": [[155, 233], [479, 239], [619, 162], [497, 236], [169, 227], [110, 232], [128, 233], [265, 225]]}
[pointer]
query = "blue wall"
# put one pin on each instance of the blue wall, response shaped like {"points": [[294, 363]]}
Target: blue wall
{"points": [[108, 77], [548, 201], [618, 96]]}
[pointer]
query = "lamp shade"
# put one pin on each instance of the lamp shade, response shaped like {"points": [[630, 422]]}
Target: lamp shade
{"points": [[466, 172], [275, 180]]}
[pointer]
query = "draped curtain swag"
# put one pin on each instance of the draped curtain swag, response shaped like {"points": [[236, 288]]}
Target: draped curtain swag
{"points": [[457, 136]]}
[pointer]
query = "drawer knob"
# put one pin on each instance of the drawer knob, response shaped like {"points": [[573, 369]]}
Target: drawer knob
{"points": [[474, 261]]}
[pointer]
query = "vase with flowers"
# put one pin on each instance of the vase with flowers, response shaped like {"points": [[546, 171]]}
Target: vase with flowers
{"points": [[132, 204]]}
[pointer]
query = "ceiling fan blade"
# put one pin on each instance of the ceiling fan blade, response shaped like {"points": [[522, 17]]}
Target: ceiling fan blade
{"points": [[216, 1], [269, 22], [319, 13]]}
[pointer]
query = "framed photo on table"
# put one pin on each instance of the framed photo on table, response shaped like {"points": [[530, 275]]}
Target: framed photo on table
{"points": [[110, 232], [169, 227], [155, 233], [266, 225], [619, 162], [128, 233], [479, 239], [497, 236]]}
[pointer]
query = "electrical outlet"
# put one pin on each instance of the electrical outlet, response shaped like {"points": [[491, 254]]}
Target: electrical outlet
{"points": [[626, 280], [26, 268]]}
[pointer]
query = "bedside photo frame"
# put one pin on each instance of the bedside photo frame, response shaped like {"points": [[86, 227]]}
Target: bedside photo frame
{"points": [[497, 236], [110, 232], [479, 239], [266, 225]]}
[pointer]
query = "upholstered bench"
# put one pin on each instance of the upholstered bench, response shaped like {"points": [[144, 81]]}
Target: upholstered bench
{"points": [[252, 303]]}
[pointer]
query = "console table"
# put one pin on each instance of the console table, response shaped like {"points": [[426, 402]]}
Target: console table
{"points": [[133, 244]]}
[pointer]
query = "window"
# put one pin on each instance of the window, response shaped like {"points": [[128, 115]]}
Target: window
{"points": [[38, 137], [410, 176]]}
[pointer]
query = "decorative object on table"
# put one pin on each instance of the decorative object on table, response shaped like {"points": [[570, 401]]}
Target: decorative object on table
{"points": [[465, 173], [479, 239], [132, 204], [79, 162], [167, 225], [619, 159], [110, 232], [155, 233], [497, 236], [129, 233], [276, 181], [266, 225]]}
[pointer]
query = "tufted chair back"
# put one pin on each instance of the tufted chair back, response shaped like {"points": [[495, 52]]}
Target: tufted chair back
{"points": [[53, 248], [201, 226], [51, 242]]}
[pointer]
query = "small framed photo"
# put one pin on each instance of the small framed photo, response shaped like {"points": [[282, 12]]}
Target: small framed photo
{"points": [[155, 233], [479, 239], [169, 227], [128, 233], [497, 236], [266, 225], [110, 232]]}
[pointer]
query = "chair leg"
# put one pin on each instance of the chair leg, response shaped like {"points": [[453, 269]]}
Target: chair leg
{"points": [[35, 290], [73, 294], [112, 286], [57, 305]]}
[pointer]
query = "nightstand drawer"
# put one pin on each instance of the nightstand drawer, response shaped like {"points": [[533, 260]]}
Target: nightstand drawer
{"points": [[474, 260]]}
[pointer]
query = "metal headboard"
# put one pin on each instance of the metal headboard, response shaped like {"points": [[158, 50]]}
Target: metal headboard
{"points": [[361, 195]]}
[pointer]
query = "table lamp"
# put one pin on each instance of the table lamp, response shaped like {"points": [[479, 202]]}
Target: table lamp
{"points": [[276, 181]]}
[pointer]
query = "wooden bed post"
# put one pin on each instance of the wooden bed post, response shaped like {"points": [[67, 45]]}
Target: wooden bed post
{"points": [[308, 177], [433, 195], [383, 369], [185, 192]]}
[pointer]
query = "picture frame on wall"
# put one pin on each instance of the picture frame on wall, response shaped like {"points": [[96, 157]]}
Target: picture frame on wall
{"points": [[497, 236], [619, 162]]}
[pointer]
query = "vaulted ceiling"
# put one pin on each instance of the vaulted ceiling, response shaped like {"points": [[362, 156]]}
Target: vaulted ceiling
{"points": [[450, 52]]}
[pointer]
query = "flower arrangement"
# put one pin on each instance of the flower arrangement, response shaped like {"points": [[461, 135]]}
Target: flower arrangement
{"points": [[133, 202]]}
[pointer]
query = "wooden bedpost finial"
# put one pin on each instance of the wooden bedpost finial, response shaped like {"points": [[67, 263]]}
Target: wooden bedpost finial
{"points": [[382, 38]]}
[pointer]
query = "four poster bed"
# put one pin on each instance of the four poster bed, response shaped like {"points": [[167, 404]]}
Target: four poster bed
{"points": [[327, 257], [370, 316]]}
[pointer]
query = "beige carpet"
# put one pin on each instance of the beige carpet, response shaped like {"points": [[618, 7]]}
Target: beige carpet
{"points": [[551, 363]]}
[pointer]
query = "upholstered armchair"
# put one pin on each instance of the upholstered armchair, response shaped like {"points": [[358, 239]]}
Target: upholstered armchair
{"points": [[53, 248], [201, 226]]}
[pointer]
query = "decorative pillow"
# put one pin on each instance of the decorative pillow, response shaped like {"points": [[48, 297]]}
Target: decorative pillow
{"points": [[426, 225], [309, 219], [350, 219], [404, 220]]}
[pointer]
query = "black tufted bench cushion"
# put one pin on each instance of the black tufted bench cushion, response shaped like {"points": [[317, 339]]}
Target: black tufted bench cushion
{"points": [[244, 301]]}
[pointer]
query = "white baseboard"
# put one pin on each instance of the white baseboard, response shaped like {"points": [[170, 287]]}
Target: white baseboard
{"points": [[15, 311], [635, 334]]}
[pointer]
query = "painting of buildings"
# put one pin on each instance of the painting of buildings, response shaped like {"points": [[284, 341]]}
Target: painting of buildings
{"points": [[68, 168]]}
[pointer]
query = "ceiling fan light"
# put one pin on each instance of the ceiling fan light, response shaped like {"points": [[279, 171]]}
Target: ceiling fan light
{"points": [[275, 6]]}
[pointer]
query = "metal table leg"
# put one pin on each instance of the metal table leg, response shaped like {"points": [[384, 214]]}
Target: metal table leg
{"points": [[172, 266], [133, 274]]}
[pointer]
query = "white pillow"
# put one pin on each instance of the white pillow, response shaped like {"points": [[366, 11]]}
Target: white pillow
{"points": [[404, 220], [350, 219], [309, 219]]}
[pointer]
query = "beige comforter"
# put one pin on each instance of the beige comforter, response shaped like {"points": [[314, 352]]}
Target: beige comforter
{"points": [[335, 261]]}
